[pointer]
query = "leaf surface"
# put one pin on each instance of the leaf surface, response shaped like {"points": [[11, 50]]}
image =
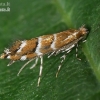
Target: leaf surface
{"points": [[77, 80]]}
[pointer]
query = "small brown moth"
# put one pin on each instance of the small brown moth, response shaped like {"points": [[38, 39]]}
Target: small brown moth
{"points": [[35, 48]]}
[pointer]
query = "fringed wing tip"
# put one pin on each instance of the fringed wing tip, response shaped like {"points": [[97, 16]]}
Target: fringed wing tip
{"points": [[2, 56]]}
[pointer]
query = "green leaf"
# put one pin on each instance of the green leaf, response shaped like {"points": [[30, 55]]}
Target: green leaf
{"points": [[77, 80]]}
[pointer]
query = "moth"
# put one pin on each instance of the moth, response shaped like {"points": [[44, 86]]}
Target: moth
{"points": [[36, 48]]}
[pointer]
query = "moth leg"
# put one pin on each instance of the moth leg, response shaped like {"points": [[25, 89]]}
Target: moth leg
{"points": [[34, 63], [77, 52], [11, 62], [24, 66], [59, 67], [40, 73], [51, 54], [57, 52], [84, 41], [63, 58]]}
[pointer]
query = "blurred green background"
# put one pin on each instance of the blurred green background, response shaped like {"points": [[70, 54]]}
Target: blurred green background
{"points": [[77, 80]]}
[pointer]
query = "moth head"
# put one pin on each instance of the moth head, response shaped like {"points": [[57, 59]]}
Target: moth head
{"points": [[83, 30]]}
